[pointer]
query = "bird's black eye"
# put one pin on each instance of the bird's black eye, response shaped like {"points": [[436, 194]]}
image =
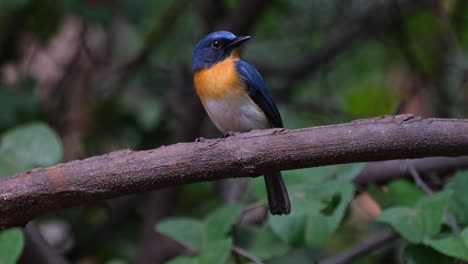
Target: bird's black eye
{"points": [[216, 44]]}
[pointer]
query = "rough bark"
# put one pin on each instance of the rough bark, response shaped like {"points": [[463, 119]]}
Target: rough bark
{"points": [[26, 195]]}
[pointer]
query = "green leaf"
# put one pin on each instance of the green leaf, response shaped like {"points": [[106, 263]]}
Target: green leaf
{"points": [[185, 230], [397, 193], [459, 200], [331, 204], [261, 241], [216, 252], [319, 204], [11, 245], [10, 165], [219, 222], [33, 143], [298, 178], [296, 256], [420, 222], [326, 215], [348, 171], [454, 246], [183, 260], [419, 254], [291, 230], [199, 235]]}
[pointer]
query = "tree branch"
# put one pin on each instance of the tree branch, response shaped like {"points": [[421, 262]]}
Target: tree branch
{"points": [[26, 195], [385, 171]]}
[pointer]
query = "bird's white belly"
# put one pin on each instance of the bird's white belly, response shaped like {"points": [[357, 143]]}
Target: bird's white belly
{"points": [[236, 115]]}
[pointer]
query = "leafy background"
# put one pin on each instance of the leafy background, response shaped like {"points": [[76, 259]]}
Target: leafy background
{"points": [[81, 78]]}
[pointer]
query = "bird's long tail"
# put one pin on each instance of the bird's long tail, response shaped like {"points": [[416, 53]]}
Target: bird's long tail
{"points": [[278, 198]]}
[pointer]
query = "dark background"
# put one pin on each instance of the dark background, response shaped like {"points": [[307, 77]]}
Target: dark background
{"points": [[107, 75]]}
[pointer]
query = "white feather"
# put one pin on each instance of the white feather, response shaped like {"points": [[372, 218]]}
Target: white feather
{"points": [[239, 115]]}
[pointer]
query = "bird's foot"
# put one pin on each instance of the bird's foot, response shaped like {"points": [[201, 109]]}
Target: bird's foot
{"points": [[200, 139], [230, 134]]}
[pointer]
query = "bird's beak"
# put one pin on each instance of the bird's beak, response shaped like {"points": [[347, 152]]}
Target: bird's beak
{"points": [[237, 41]]}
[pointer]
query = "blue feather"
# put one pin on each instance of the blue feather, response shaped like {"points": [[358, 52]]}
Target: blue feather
{"points": [[203, 56], [258, 91]]}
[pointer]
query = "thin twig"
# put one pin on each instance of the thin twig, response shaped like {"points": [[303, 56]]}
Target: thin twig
{"points": [[246, 254], [449, 218], [377, 241], [417, 178], [385, 171]]}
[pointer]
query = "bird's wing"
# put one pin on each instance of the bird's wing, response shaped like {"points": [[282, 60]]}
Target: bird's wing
{"points": [[258, 91]]}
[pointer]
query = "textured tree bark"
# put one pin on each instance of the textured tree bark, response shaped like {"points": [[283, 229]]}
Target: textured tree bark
{"points": [[26, 195]]}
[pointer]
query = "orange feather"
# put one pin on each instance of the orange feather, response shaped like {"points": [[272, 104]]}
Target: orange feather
{"points": [[221, 81]]}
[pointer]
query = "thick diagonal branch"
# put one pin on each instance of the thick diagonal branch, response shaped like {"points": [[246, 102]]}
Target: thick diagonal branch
{"points": [[26, 195]]}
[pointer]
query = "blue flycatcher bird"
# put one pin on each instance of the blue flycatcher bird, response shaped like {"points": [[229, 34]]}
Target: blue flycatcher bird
{"points": [[236, 99]]}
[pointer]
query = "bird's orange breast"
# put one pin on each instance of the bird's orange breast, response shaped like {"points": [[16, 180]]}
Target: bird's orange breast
{"points": [[221, 81], [225, 97]]}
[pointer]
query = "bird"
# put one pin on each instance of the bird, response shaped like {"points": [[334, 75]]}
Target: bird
{"points": [[236, 99]]}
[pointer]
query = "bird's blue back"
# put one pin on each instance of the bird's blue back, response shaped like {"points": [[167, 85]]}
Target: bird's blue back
{"points": [[258, 91]]}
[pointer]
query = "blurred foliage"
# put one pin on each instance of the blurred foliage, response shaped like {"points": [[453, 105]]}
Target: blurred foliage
{"points": [[320, 202], [28, 146], [70, 89], [415, 254], [33, 143], [459, 201], [11, 244], [16, 107], [208, 237], [397, 193], [22, 148], [454, 245], [422, 221]]}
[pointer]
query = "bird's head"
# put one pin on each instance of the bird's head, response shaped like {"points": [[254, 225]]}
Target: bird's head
{"points": [[214, 48]]}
